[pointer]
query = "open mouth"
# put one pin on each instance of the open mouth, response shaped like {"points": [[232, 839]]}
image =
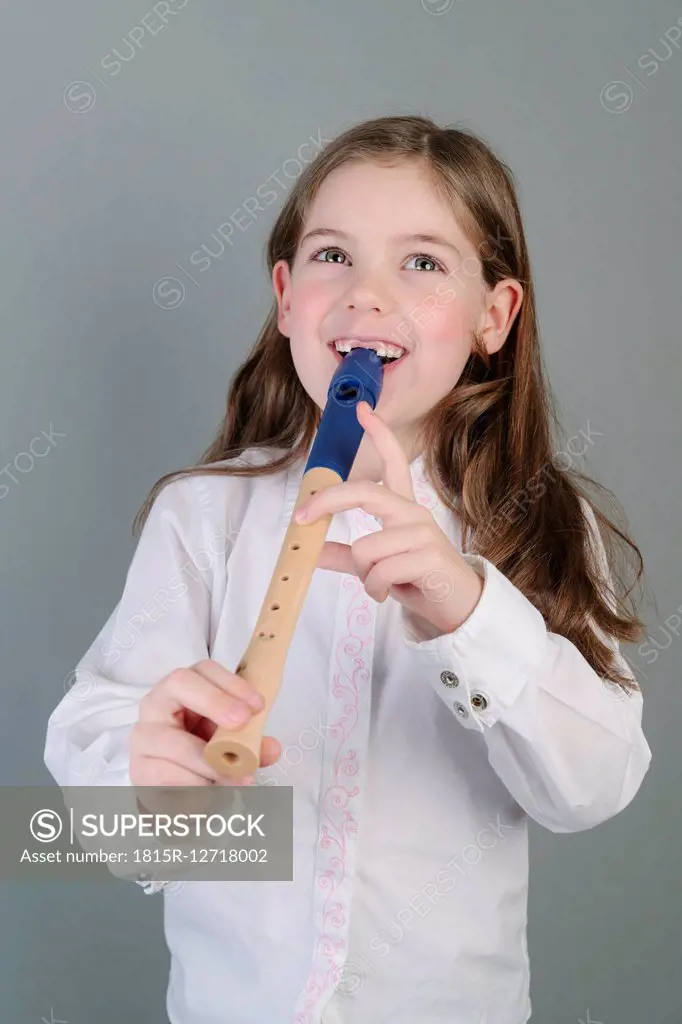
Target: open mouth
{"points": [[388, 361]]}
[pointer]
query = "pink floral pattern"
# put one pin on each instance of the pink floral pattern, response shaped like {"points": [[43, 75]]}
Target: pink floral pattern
{"points": [[348, 720], [346, 735]]}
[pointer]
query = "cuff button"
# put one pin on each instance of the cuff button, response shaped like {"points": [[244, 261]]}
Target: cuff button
{"points": [[449, 678], [479, 701]]}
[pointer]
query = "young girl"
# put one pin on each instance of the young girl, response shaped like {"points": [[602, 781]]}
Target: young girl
{"points": [[455, 668]]}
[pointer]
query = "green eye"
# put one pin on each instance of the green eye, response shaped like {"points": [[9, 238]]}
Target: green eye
{"points": [[428, 259], [321, 251], [315, 258]]}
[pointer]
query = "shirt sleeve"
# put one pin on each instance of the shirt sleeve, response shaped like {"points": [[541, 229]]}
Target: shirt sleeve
{"points": [[160, 623], [567, 744]]}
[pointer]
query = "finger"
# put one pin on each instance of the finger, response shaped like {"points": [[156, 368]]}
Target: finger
{"points": [[397, 476], [160, 773], [230, 682], [357, 559], [375, 547], [270, 751], [164, 742], [187, 689], [428, 579], [393, 509], [337, 557]]}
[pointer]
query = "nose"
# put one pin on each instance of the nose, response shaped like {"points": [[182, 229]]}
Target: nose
{"points": [[367, 292]]}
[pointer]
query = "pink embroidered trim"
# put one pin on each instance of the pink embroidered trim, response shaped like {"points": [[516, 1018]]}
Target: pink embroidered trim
{"points": [[339, 800], [340, 828]]}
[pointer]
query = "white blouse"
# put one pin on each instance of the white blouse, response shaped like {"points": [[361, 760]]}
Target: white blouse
{"points": [[414, 763]]}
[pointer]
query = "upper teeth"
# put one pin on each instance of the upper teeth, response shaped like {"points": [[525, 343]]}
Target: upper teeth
{"points": [[383, 349]]}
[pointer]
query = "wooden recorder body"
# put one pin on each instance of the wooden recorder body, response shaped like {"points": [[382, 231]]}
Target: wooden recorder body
{"points": [[235, 753]]}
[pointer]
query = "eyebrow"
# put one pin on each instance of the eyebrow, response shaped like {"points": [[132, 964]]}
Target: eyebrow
{"points": [[427, 239]]}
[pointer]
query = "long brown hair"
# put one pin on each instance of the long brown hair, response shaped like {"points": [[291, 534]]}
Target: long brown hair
{"points": [[488, 443]]}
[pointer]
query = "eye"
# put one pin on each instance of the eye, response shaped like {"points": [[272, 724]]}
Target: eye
{"points": [[319, 252], [429, 259], [314, 257]]}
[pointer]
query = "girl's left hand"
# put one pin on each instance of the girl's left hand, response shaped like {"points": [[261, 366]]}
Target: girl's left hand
{"points": [[410, 558]]}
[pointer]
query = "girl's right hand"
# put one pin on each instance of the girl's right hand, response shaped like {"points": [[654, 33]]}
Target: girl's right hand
{"points": [[179, 715]]}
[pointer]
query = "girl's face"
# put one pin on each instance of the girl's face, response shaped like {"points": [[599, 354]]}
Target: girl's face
{"points": [[362, 271]]}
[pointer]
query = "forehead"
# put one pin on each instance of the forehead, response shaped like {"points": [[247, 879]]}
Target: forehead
{"points": [[362, 196]]}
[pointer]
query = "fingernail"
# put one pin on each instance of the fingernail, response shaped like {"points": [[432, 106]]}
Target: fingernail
{"points": [[256, 700], [300, 515]]}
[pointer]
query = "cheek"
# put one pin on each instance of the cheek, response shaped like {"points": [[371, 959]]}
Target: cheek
{"points": [[446, 332], [444, 313], [308, 300]]}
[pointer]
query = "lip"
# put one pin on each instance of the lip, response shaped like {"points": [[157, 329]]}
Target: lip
{"points": [[388, 367]]}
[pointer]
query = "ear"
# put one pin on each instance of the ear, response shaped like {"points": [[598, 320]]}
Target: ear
{"points": [[502, 306], [281, 283]]}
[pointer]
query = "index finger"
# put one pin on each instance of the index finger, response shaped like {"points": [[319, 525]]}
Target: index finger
{"points": [[206, 689], [397, 476]]}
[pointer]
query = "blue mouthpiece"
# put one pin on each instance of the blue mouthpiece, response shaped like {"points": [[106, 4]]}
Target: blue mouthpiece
{"points": [[358, 378]]}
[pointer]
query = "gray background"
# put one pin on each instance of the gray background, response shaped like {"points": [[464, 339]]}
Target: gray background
{"points": [[101, 203]]}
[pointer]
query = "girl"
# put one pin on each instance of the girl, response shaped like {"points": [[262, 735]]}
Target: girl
{"points": [[455, 669]]}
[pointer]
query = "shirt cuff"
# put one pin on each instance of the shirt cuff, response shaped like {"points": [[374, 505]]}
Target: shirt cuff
{"points": [[480, 668]]}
